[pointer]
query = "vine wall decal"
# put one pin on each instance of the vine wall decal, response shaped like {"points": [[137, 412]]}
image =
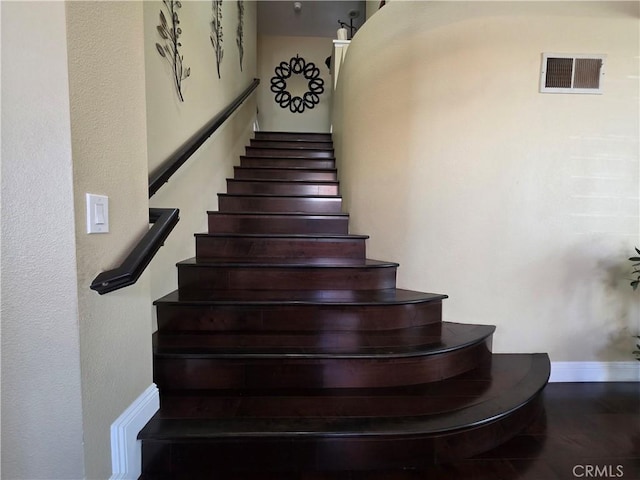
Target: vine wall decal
{"points": [[240, 31], [170, 32], [297, 66], [216, 32]]}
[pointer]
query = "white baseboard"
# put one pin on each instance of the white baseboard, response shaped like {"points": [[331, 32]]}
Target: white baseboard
{"points": [[126, 449], [595, 371]]}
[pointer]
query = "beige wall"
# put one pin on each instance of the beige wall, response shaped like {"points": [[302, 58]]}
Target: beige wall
{"points": [[372, 6], [271, 51], [522, 206], [41, 399], [73, 360], [107, 97], [171, 122]]}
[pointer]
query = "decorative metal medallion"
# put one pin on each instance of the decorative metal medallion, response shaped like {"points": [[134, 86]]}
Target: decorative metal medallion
{"points": [[297, 66]]}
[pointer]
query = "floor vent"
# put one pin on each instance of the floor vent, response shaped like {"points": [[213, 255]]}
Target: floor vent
{"points": [[562, 73]]}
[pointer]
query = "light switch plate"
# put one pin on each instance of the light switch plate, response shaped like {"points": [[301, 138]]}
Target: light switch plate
{"points": [[97, 213]]}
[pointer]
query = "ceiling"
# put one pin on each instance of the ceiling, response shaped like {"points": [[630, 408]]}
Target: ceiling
{"points": [[315, 18]]}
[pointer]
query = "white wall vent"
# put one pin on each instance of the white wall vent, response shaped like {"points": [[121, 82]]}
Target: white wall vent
{"points": [[566, 73]]}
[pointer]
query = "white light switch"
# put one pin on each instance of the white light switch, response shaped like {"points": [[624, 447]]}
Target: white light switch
{"points": [[97, 213]]}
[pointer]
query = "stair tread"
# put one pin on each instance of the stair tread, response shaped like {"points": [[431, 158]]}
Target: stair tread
{"points": [[511, 381], [293, 134], [328, 147], [285, 214], [285, 263], [272, 195], [306, 169], [393, 296], [290, 132], [330, 142], [288, 157], [312, 149], [287, 181], [302, 236], [291, 161], [297, 143], [420, 341], [301, 147]]}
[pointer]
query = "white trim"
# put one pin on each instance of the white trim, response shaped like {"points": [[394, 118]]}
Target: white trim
{"points": [[126, 449], [595, 371]]}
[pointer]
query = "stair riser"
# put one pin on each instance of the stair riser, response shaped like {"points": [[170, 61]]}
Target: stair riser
{"points": [[284, 373], [279, 204], [279, 248], [283, 174], [303, 343], [252, 162], [282, 318], [292, 144], [357, 403], [289, 373], [207, 278], [294, 136], [394, 452], [307, 224], [281, 188], [288, 152]]}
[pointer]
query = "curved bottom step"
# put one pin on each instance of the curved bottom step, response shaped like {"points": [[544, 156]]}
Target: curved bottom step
{"points": [[488, 406]]}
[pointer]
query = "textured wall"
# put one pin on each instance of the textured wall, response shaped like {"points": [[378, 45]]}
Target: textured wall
{"points": [[273, 50], [107, 97], [372, 6], [74, 360], [522, 206], [171, 122], [41, 401]]}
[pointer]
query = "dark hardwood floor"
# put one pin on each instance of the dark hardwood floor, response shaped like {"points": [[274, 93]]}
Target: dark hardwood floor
{"points": [[587, 430]]}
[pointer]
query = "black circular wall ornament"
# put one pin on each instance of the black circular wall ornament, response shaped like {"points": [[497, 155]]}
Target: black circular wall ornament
{"points": [[315, 87]]}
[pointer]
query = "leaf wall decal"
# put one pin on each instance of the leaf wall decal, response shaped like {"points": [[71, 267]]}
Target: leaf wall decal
{"points": [[216, 32], [170, 50], [240, 31]]}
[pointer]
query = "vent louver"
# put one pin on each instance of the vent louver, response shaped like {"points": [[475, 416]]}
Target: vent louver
{"points": [[562, 73]]}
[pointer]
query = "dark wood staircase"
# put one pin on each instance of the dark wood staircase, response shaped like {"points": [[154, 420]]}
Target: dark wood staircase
{"points": [[285, 349]]}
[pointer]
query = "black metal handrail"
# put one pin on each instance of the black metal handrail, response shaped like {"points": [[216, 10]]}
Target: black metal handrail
{"points": [[163, 219], [175, 161]]}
